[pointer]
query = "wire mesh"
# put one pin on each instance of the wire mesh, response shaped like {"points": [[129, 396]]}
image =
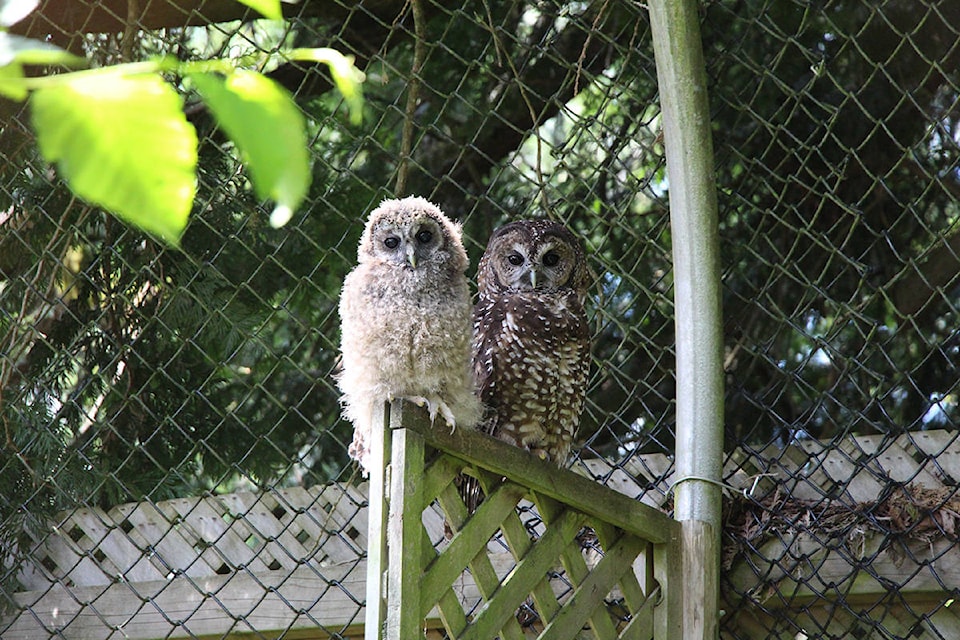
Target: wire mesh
{"points": [[836, 146], [131, 373]]}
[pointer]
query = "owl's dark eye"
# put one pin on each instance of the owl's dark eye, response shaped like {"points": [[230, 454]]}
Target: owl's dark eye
{"points": [[424, 236], [550, 259], [515, 259], [391, 242]]}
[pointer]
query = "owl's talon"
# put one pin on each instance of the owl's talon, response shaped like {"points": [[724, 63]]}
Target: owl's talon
{"points": [[543, 454], [420, 401], [436, 406]]}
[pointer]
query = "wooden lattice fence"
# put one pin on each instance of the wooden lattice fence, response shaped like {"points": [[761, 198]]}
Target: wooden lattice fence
{"points": [[624, 583], [548, 554], [575, 558], [287, 559]]}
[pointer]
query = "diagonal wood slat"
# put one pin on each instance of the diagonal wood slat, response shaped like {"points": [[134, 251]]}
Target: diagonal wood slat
{"points": [[577, 569], [470, 540], [513, 591], [516, 536], [583, 603]]}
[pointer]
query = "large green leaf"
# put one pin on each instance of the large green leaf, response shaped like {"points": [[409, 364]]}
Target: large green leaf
{"points": [[268, 129], [346, 76], [13, 85], [267, 8], [122, 142]]}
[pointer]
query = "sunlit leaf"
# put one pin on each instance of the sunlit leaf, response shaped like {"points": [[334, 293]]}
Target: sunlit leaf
{"points": [[12, 83], [14, 48], [122, 142], [13, 11], [346, 76], [267, 8], [261, 118]]}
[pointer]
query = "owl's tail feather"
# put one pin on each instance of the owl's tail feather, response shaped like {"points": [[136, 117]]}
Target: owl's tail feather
{"points": [[472, 495], [470, 491], [360, 413]]}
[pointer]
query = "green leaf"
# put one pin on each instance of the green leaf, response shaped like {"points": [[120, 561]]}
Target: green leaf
{"points": [[14, 48], [13, 11], [267, 8], [12, 83], [348, 79], [122, 142], [268, 129]]}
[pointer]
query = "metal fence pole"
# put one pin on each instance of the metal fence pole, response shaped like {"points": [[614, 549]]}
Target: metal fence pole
{"points": [[693, 211]]}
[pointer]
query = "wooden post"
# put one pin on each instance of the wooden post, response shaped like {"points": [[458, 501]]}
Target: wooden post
{"points": [[701, 590], [375, 613], [668, 572], [681, 78], [404, 531]]}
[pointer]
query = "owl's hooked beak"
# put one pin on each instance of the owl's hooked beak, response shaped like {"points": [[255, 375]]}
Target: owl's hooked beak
{"points": [[533, 278], [412, 256]]}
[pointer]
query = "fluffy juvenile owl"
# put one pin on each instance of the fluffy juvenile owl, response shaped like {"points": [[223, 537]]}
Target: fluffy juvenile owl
{"points": [[406, 320], [531, 351]]}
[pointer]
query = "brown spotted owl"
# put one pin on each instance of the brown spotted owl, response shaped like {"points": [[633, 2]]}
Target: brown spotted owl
{"points": [[405, 320], [531, 353]]}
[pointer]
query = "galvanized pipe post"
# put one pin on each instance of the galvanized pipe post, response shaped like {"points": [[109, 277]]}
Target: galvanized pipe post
{"points": [[685, 115]]}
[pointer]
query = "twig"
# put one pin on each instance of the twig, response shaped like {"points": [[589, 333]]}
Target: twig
{"points": [[413, 96], [538, 169]]}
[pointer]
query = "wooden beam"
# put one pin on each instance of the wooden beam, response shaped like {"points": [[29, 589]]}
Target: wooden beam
{"points": [[404, 536], [377, 516], [543, 477]]}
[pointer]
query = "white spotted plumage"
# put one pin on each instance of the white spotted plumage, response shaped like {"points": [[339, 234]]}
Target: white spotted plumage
{"points": [[531, 337]]}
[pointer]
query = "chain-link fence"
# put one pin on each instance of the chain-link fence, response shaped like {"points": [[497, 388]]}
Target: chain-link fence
{"points": [[836, 142], [172, 414]]}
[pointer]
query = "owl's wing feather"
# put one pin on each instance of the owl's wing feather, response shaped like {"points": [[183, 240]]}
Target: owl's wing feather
{"points": [[488, 322]]}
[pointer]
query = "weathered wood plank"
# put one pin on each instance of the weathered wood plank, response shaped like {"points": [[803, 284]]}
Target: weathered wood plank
{"points": [[404, 535], [641, 624], [223, 545], [542, 476], [449, 606], [587, 601], [668, 571], [701, 580], [438, 475], [804, 569], [153, 530], [304, 600], [629, 585], [377, 514], [499, 609]]}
